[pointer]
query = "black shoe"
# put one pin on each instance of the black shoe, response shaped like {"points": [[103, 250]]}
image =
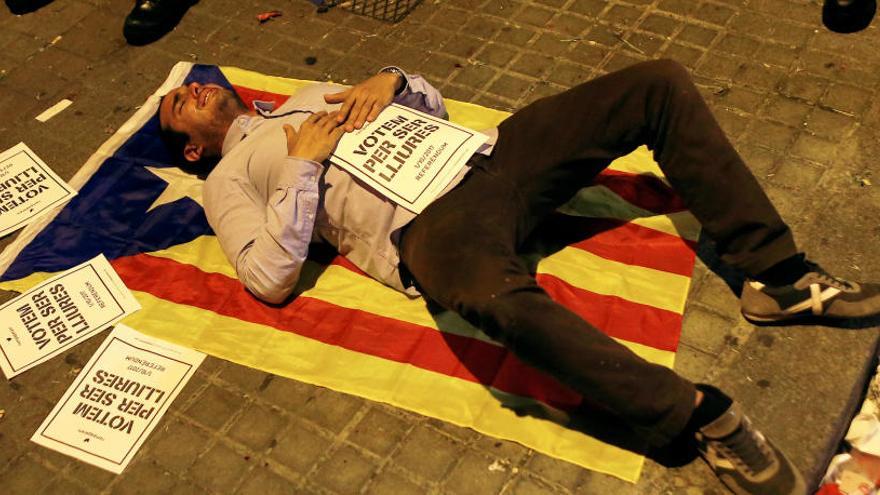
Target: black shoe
{"points": [[746, 461], [19, 7], [848, 16], [149, 20]]}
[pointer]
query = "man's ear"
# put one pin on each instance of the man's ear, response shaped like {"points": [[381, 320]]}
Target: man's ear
{"points": [[193, 152]]}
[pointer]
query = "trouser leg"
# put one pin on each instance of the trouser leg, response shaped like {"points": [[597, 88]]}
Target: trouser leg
{"points": [[550, 146], [546, 152], [461, 251]]}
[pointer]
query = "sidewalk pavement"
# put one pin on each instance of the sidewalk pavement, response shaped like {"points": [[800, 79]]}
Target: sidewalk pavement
{"points": [[800, 103]]}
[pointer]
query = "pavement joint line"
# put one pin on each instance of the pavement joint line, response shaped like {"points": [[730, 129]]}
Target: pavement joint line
{"points": [[727, 316], [392, 455], [290, 473], [523, 471], [558, 487], [482, 91], [255, 458], [385, 463], [699, 350], [338, 441], [424, 422], [259, 400]]}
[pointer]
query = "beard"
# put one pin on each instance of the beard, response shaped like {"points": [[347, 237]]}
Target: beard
{"points": [[229, 105], [226, 107]]}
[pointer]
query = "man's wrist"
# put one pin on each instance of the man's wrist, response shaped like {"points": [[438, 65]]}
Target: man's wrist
{"points": [[400, 85]]}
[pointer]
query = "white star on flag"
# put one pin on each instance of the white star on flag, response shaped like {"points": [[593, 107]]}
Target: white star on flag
{"points": [[180, 185]]}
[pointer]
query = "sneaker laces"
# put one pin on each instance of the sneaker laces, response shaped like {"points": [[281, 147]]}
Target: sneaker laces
{"points": [[746, 449], [828, 279]]}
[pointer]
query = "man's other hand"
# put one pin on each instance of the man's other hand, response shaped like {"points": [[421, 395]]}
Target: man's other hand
{"points": [[316, 138], [362, 102]]}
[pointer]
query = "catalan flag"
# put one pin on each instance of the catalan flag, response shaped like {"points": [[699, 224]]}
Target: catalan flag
{"points": [[621, 255]]}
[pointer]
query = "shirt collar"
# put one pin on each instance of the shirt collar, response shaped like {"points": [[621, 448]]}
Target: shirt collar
{"points": [[239, 128]]}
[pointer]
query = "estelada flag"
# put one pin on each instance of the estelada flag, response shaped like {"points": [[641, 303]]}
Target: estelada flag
{"points": [[622, 256]]}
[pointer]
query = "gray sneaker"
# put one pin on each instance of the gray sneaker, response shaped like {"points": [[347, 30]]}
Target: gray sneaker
{"points": [[744, 460], [816, 295]]}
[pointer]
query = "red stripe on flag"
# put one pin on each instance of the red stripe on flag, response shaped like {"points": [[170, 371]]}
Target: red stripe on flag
{"points": [[449, 354], [633, 244], [616, 316], [618, 240], [248, 95], [645, 191]]}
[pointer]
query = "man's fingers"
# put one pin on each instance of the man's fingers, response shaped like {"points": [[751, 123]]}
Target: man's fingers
{"points": [[315, 117], [290, 132], [336, 97], [352, 116], [349, 100], [376, 110], [328, 122], [361, 116]]}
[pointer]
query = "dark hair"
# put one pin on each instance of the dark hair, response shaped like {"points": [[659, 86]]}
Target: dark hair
{"points": [[175, 142]]}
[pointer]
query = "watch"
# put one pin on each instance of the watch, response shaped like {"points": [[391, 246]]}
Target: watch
{"points": [[395, 70]]}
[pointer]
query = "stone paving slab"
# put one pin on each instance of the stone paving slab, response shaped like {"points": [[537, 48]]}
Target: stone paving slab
{"points": [[798, 102]]}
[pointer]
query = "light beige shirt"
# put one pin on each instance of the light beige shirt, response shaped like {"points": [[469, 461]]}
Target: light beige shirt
{"points": [[265, 206]]}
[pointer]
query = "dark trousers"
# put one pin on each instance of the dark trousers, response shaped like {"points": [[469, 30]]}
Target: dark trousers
{"points": [[462, 250]]}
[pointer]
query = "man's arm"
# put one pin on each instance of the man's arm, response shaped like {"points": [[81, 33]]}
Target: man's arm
{"points": [[417, 93], [363, 102], [268, 242]]}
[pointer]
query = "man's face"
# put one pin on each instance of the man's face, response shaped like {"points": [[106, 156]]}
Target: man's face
{"points": [[202, 112]]}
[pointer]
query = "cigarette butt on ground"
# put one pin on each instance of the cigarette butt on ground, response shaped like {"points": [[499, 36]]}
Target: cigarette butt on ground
{"points": [[54, 110]]}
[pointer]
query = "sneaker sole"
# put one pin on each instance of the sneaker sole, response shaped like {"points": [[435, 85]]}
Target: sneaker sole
{"points": [[852, 322], [782, 318]]}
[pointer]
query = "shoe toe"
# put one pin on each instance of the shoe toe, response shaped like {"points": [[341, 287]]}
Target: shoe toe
{"points": [[149, 21], [864, 303], [21, 7], [850, 18]]}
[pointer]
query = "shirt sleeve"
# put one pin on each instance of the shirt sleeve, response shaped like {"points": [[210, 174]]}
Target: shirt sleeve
{"points": [[268, 242], [418, 94]]}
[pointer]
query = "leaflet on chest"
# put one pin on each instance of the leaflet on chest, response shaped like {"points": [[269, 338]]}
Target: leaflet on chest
{"points": [[406, 155]]}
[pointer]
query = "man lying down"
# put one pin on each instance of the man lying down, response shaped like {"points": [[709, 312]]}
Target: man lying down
{"points": [[272, 192]]}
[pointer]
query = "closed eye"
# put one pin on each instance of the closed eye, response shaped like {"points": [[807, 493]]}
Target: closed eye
{"points": [[177, 103]]}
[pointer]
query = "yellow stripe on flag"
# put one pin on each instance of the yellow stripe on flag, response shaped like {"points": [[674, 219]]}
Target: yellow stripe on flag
{"points": [[474, 116], [262, 82], [648, 353], [640, 161], [637, 284], [342, 287], [681, 223], [203, 252], [23, 284]]}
